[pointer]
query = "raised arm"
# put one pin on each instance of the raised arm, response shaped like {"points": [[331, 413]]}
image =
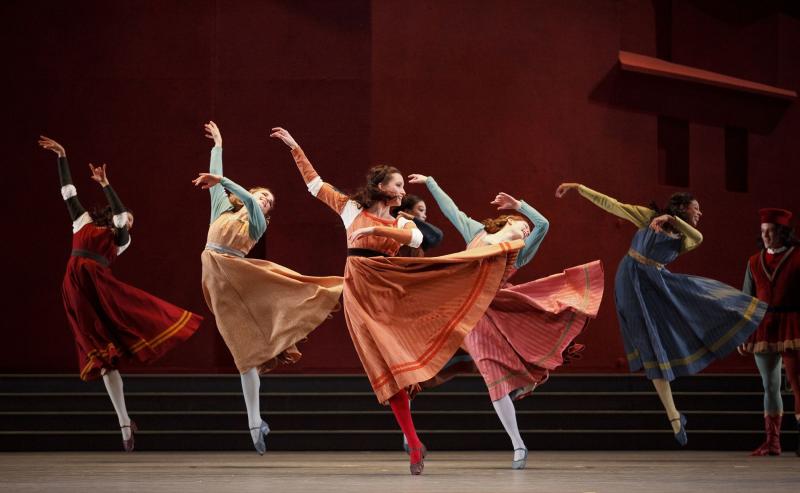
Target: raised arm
{"points": [[69, 193], [219, 200], [465, 225], [257, 222], [504, 201], [318, 188], [120, 219], [638, 215]]}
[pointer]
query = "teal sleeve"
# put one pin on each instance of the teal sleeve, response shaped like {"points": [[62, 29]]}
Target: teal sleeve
{"points": [[465, 225], [749, 286], [219, 200], [532, 242], [258, 224]]}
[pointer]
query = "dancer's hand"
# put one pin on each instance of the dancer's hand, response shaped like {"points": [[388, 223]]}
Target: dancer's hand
{"points": [[740, 349], [506, 201], [285, 136], [417, 178], [657, 224], [213, 133], [206, 180], [564, 188], [99, 174], [52, 145], [405, 215], [361, 232]]}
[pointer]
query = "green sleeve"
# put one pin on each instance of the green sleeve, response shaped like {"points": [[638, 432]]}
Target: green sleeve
{"points": [[637, 214], [258, 224], [465, 225], [219, 200], [532, 242]]}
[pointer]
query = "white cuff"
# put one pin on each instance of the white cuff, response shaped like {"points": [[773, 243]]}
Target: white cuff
{"points": [[314, 186], [68, 191], [120, 220], [82, 221], [416, 238]]}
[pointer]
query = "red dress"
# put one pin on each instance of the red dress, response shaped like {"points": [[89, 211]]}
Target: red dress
{"points": [[776, 279], [111, 319]]}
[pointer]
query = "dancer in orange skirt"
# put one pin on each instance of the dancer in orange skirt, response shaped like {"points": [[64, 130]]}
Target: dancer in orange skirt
{"points": [[111, 320], [406, 316], [529, 328], [262, 309]]}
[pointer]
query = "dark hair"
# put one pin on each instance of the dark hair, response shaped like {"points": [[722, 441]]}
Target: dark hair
{"points": [[494, 225], [104, 216], [676, 206], [409, 202], [786, 235], [370, 194]]}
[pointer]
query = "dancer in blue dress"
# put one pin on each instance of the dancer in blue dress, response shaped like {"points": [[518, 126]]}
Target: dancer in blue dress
{"points": [[672, 324]]}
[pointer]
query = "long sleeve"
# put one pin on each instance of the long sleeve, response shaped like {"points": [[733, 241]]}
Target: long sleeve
{"points": [[406, 233], [331, 197], [219, 200], [258, 224], [637, 214], [532, 242], [465, 225], [68, 191], [120, 219], [691, 237], [431, 235], [749, 285]]}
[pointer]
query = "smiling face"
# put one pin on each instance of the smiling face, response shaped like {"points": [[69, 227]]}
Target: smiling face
{"points": [[693, 213], [419, 210], [393, 187], [265, 199], [770, 236]]}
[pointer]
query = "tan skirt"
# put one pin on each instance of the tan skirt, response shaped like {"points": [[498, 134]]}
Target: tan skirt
{"points": [[263, 309], [407, 316]]}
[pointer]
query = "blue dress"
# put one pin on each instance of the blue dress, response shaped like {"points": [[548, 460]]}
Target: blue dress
{"points": [[673, 324]]}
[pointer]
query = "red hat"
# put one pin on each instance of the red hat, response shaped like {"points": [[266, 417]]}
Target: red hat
{"points": [[775, 216]]}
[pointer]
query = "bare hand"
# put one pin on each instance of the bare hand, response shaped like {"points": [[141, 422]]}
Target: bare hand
{"points": [[740, 349], [52, 145], [213, 133], [206, 180], [361, 232], [417, 178], [285, 136], [405, 215], [505, 201], [657, 224], [564, 188], [99, 174]]}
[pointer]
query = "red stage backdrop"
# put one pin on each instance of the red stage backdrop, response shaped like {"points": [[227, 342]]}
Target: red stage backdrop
{"points": [[513, 96]]}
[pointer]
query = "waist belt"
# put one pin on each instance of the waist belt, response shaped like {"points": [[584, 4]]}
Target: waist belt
{"points": [[223, 249], [364, 252], [644, 260], [92, 256]]}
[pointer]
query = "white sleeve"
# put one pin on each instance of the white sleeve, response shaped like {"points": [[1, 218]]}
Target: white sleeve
{"points": [[120, 220], [349, 212], [82, 221], [416, 234], [314, 186], [68, 191]]}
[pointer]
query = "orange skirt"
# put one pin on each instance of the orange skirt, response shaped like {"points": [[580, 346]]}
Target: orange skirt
{"points": [[408, 316]]}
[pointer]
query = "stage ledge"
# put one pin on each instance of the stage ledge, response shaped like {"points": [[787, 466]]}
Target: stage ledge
{"points": [[634, 62]]}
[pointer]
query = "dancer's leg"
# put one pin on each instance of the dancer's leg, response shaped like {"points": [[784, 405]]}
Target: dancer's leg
{"points": [[113, 382], [504, 408]]}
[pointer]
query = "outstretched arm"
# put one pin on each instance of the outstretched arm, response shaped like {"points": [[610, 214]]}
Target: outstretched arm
{"points": [[691, 237], [121, 238], [318, 188], [638, 215], [68, 191], [465, 225], [219, 200], [257, 222], [406, 233], [504, 201]]}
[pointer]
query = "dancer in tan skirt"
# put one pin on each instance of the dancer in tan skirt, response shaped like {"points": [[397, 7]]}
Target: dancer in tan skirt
{"points": [[262, 309], [406, 316]]}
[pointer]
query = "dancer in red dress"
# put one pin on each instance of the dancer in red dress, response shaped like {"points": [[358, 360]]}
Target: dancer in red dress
{"points": [[111, 320]]}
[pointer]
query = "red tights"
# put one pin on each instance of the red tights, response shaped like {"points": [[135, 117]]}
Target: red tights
{"points": [[402, 413]]}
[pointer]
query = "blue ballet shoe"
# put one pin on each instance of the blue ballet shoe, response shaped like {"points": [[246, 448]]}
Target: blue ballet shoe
{"points": [[261, 444], [520, 464], [681, 437]]}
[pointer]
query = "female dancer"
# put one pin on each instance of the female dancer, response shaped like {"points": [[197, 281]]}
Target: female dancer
{"points": [[111, 320], [406, 316], [413, 207], [773, 275], [672, 324], [529, 328], [262, 309]]}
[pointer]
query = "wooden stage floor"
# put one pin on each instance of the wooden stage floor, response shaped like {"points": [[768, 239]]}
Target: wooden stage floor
{"points": [[316, 472]]}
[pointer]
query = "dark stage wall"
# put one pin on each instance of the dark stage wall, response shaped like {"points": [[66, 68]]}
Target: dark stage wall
{"points": [[485, 96]]}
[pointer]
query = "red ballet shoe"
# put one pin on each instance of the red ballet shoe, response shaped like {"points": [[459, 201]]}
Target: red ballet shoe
{"points": [[127, 445]]}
